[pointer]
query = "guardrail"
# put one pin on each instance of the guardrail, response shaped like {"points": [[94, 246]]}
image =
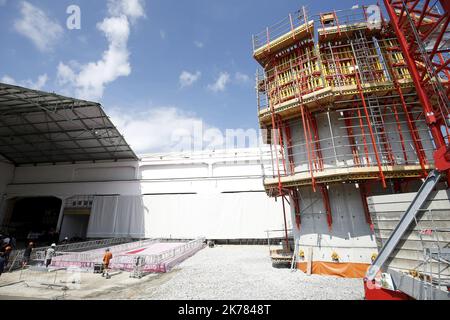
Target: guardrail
{"points": [[38, 254], [89, 258], [160, 262]]}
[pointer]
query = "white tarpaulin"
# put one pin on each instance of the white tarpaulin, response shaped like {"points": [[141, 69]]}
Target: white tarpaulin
{"points": [[244, 215], [118, 216]]}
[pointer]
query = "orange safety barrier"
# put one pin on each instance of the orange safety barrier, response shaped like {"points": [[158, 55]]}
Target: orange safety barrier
{"points": [[343, 270]]}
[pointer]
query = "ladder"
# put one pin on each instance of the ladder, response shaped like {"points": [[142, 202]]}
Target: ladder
{"points": [[333, 70], [406, 220], [365, 59], [379, 129], [366, 62]]}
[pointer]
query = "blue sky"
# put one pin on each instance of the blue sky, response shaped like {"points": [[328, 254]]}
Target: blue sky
{"points": [[139, 83]]}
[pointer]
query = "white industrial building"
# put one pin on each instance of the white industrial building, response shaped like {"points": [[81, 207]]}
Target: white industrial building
{"points": [[67, 167]]}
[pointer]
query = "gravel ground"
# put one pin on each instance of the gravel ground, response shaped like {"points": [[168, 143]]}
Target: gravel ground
{"points": [[220, 273], [246, 272]]}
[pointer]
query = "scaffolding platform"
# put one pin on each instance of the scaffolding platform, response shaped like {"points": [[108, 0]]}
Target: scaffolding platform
{"points": [[331, 98], [285, 40], [348, 174]]}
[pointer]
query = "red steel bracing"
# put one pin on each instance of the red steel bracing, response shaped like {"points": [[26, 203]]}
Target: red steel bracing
{"points": [[385, 143], [281, 141], [315, 130], [363, 134], [399, 130], [308, 151], [436, 114], [364, 194], [305, 127], [290, 147], [326, 203], [323, 187], [351, 137], [411, 125], [443, 67], [274, 141], [310, 139], [296, 200], [285, 226], [372, 137], [280, 185]]}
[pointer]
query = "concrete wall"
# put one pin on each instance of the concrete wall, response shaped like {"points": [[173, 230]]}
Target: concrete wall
{"points": [[335, 146], [350, 235]]}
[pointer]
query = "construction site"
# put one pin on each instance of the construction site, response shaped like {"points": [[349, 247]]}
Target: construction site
{"points": [[355, 105], [347, 198]]}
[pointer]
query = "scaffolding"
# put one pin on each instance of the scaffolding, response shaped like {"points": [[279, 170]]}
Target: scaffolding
{"points": [[350, 97]]}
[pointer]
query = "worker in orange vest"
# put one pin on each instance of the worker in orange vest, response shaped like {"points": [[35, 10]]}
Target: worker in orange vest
{"points": [[106, 260]]}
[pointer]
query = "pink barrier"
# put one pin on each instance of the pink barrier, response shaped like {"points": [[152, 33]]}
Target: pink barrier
{"points": [[159, 257]]}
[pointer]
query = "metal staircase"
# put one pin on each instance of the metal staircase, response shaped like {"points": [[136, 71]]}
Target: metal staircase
{"points": [[404, 223]]}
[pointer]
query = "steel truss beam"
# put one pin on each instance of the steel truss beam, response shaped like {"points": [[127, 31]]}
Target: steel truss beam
{"points": [[407, 20]]}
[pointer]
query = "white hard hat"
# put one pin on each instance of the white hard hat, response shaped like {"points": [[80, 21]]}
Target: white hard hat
{"points": [[53, 245]]}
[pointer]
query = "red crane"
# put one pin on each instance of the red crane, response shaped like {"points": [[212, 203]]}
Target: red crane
{"points": [[421, 28]]}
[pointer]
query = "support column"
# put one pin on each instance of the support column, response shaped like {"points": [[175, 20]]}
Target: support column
{"points": [[61, 214], [296, 200], [364, 194], [326, 202]]}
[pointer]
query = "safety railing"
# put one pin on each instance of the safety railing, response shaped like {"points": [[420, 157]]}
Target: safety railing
{"points": [[160, 262], [369, 15], [329, 66], [96, 256], [38, 254], [286, 25]]}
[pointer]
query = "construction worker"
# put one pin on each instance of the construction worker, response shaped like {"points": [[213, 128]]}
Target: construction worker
{"points": [[106, 260], [51, 252], [27, 254]]}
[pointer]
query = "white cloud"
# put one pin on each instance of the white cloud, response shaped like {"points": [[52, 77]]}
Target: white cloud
{"points": [[221, 82], [89, 80], [199, 44], [38, 27], [133, 9], [172, 130], [187, 79], [162, 34], [36, 85], [241, 77]]}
